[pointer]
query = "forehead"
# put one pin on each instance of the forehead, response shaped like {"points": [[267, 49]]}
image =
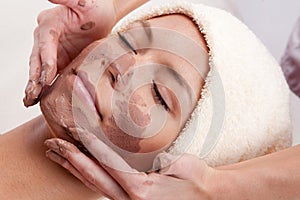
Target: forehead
{"points": [[176, 22], [183, 43]]}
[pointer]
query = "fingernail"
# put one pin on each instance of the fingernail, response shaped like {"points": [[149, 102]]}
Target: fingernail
{"points": [[92, 187], [50, 143], [26, 99], [61, 146], [54, 157], [48, 152], [48, 73], [56, 146], [32, 92], [43, 78]]}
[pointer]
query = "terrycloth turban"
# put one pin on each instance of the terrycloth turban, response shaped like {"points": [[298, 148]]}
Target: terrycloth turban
{"points": [[243, 111]]}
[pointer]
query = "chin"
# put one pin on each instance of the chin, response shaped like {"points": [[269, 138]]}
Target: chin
{"points": [[56, 107]]}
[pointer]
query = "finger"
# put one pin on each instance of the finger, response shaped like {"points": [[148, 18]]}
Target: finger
{"points": [[67, 3], [76, 5], [94, 173], [129, 178], [185, 167], [64, 58], [33, 88], [163, 160], [48, 43], [67, 165]]}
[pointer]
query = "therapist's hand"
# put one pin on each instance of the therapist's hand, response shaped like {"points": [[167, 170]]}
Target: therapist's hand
{"points": [[61, 34], [185, 178]]}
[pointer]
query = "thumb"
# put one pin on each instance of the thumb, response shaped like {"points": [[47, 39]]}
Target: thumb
{"points": [[186, 167], [67, 3], [76, 5], [163, 160]]}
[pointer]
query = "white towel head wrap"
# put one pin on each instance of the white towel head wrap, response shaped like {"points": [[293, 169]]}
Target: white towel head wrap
{"points": [[244, 107]]}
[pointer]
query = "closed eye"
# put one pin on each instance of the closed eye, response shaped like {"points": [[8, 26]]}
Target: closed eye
{"points": [[159, 97]]}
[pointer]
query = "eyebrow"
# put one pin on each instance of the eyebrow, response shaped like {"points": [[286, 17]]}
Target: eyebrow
{"points": [[148, 32], [125, 41], [180, 81], [147, 28], [177, 78]]}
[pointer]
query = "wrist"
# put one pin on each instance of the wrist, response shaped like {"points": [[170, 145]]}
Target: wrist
{"points": [[108, 16], [223, 185], [122, 8]]}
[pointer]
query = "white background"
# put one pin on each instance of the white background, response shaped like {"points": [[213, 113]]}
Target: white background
{"points": [[271, 20]]}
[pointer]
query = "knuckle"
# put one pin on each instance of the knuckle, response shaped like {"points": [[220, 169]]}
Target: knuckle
{"points": [[44, 14], [42, 45], [187, 158], [66, 165], [140, 195], [87, 172], [36, 32], [143, 191], [33, 60]]}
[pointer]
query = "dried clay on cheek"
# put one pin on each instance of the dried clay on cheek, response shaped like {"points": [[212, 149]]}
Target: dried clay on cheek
{"points": [[138, 112], [120, 138]]}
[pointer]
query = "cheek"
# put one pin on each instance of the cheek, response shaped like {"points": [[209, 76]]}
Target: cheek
{"points": [[164, 138], [56, 106], [138, 115], [138, 111], [119, 138]]}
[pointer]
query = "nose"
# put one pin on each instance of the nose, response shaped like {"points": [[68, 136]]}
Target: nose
{"points": [[105, 90], [104, 94], [124, 63]]}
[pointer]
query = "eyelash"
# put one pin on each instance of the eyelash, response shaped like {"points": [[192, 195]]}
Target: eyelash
{"points": [[159, 97]]}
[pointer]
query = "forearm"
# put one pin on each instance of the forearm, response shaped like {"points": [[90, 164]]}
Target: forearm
{"points": [[123, 7], [274, 176], [26, 173]]}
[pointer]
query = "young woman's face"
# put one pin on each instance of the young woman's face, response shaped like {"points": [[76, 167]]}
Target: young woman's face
{"points": [[132, 89]]}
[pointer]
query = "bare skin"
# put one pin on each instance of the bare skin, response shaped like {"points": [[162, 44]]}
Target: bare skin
{"points": [[28, 174], [275, 176]]}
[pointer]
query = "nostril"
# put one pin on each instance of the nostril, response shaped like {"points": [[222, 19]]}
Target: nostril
{"points": [[101, 116], [98, 109], [74, 71]]}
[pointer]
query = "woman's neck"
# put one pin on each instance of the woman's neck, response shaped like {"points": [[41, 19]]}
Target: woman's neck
{"points": [[26, 173]]}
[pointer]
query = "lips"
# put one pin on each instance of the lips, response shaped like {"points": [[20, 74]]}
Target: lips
{"points": [[84, 92], [88, 85]]}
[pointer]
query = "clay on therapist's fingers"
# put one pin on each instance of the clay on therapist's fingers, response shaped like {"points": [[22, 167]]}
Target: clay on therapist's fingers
{"points": [[81, 3], [32, 93], [87, 26]]}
